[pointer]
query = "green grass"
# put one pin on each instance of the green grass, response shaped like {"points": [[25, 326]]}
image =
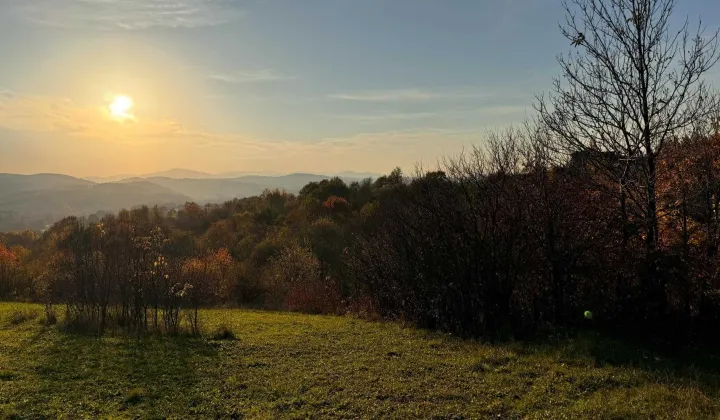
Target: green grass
{"points": [[282, 365]]}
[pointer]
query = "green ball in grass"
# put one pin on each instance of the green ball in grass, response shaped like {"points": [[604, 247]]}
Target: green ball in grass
{"points": [[588, 315]]}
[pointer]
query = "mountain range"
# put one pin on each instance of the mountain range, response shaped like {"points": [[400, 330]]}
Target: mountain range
{"points": [[180, 173], [34, 201]]}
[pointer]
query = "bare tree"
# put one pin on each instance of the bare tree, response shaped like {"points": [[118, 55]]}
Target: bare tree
{"points": [[632, 84]]}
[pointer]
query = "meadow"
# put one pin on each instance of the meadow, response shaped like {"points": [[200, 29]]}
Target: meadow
{"points": [[287, 365]]}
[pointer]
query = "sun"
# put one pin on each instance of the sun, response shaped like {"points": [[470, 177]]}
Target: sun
{"points": [[120, 107]]}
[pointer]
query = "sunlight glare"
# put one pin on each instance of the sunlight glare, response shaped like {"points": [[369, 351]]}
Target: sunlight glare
{"points": [[120, 107]]}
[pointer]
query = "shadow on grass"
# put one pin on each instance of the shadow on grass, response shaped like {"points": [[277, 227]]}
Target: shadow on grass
{"points": [[684, 367], [123, 373]]}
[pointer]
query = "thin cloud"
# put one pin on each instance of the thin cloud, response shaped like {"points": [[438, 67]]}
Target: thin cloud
{"points": [[407, 95], [402, 116], [60, 120], [253, 76], [402, 137], [41, 114], [451, 114], [127, 14]]}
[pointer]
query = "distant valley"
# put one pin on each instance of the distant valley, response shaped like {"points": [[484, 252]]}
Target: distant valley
{"points": [[34, 201]]}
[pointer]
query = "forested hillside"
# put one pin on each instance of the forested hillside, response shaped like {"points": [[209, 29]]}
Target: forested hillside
{"points": [[496, 241], [36, 201]]}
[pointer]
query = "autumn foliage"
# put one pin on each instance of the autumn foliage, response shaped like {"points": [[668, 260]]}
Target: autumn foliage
{"points": [[9, 264], [498, 241]]}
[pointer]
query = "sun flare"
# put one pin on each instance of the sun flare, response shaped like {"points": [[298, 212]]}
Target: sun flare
{"points": [[120, 107]]}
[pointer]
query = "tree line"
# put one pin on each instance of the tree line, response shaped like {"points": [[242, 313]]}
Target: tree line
{"points": [[497, 241], [607, 201]]}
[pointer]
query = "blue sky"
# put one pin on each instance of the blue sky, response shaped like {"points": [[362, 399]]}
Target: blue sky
{"points": [[269, 85]]}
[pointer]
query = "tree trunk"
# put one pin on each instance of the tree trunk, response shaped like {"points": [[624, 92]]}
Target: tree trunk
{"points": [[623, 214], [685, 233], [655, 287], [651, 239]]}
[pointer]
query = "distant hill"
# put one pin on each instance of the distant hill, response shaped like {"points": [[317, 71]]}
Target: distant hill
{"points": [[291, 183], [238, 174], [34, 201], [88, 199], [12, 183], [360, 175], [210, 190], [178, 173], [113, 178], [224, 189]]}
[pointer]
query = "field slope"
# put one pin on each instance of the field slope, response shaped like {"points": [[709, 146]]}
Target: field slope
{"points": [[299, 366]]}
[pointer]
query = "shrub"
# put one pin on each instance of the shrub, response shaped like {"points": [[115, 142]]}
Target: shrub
{"points": [[223, 332], [50, 316], [134, 396], [363, 307], [18, 317], [6, 375], [315, 297]]}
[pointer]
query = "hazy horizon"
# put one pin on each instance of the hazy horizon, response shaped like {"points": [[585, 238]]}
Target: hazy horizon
{"points": [[269, 86], [228, 174]]}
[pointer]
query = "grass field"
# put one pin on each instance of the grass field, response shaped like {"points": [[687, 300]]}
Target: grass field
{"points": [[285, 365]]}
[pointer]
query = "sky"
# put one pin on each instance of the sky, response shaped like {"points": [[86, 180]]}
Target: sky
{"points": [[264, 86]]}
